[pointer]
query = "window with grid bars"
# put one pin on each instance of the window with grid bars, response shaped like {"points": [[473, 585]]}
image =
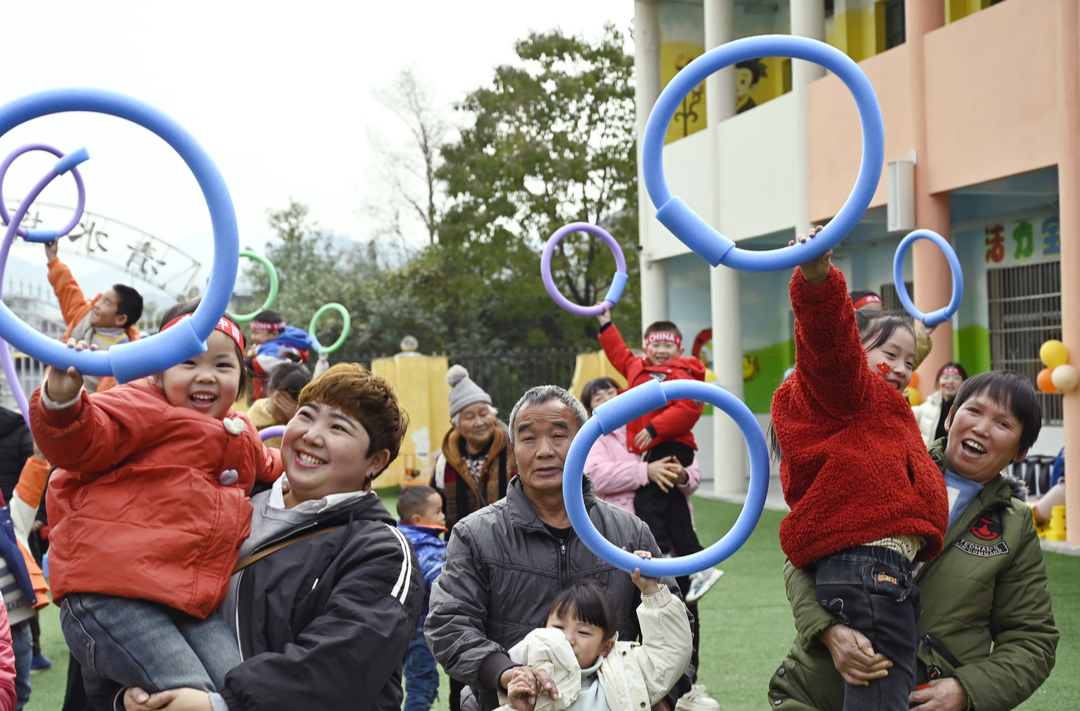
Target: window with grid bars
{"points": [[889, 299], [1025, 312]]}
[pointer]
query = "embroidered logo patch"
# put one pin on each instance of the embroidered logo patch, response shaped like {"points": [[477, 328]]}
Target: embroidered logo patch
{"points": [[883, 578], [986, 530], [973, 548]]}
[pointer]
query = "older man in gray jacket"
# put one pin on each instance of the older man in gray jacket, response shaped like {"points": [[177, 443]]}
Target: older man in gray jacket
{"points": [[506, 563]]}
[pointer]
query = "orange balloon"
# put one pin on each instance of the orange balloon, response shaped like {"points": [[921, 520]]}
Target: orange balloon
{"points": [[1045, 382], [914, 380]]}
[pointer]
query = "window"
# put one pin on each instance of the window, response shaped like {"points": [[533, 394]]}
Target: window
{"points": [[890, 301], [894, 23], [1025, 312]]}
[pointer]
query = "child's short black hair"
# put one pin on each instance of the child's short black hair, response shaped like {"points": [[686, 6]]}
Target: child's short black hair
{"points": [[188, 307], [413, 501], [592, 387], [662, 327], [128, 303], [1012, 390], [877, 327], [289, 378], [587, 601]]}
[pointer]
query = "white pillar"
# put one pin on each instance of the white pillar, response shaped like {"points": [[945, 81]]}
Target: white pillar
{"points": [[807, 20], [647, 68], [729, 448]]}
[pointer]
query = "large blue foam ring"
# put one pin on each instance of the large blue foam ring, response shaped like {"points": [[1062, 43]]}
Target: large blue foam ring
{"points": [[699, 235], [941, 315], [187, 338], [631, 405]]}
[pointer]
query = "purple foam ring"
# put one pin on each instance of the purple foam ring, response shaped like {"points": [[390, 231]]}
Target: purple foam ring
{"points": [[271, 432], [66, 163], [617, 285]]}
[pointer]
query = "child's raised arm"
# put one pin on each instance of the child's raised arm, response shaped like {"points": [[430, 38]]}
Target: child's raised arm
{"points": [[666, 640]]}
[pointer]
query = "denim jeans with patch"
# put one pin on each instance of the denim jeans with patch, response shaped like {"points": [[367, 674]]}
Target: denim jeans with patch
{"points": [[869, 589], [146, 644]]}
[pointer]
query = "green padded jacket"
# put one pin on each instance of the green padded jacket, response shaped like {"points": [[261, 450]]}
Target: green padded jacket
{"points": [[986, 616]]}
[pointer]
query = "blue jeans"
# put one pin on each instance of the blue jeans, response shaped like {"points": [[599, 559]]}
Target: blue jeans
{"points": [[421, 675], [146, 644], [22, 643], [869, 589]]}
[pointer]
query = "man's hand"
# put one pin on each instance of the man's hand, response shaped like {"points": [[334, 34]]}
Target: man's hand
{"points": [[51, 248], [943, 695], [523, 686], [853, 655], [63, 385], [664, 473], [604, 318], [923, 330], [643, 439], [135, 699], [816, 271]]}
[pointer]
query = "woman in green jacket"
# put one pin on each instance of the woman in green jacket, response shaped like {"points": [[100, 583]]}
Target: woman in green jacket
{"points": [[986, 637]]}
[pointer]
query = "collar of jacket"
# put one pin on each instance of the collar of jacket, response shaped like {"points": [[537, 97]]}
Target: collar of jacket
{"points": [[1003, 487], [522, 514], [452, 449]]}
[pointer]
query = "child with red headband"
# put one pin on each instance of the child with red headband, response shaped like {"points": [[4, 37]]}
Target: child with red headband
{"points": [[866, 499], [148, 508], [662, 435], [273, 342]]}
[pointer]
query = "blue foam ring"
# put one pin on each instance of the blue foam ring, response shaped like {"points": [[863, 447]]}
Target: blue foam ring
{"points": [[615, 291], [697, 234], [941, 315], [41, 235], [143, 360], [71, 160], [616, 412], [637, 401], [138, 359], [693, 233], [271, 432]]}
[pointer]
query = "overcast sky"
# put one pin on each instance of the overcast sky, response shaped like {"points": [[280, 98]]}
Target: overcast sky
{"points": [[279, 94]]}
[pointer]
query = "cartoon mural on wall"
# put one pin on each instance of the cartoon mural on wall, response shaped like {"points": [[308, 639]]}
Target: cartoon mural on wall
{"points": [[682, 39], [748, 75]]}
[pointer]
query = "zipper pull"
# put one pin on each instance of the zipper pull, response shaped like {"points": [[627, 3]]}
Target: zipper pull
{"points": [[563, 547]]}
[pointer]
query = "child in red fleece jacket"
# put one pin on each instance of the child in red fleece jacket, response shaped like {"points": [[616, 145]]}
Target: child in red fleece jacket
{"points": [[866, 499], [663, 435]]}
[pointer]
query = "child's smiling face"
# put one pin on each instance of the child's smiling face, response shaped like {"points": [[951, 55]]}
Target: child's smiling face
{"points": [[208, 383], [894, 359]]}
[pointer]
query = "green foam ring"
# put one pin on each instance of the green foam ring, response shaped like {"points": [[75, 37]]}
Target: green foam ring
{"points": [[327, 350], [271, 299]]}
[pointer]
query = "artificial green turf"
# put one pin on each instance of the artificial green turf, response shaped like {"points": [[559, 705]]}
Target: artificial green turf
{"points": [[746, 624]]}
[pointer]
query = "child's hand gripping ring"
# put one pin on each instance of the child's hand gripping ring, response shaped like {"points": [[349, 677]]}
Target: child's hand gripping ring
{"points": [[699, 235], [617, 284], [632, 404], [941, 315], [129, 361]]}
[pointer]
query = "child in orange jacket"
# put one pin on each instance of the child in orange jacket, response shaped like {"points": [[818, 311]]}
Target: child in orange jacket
{"points": [[148, 508]]}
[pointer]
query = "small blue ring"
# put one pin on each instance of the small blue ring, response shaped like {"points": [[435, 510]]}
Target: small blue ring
{"points": [[699, 235], [629, 406], [941, 315], [151, 355]]}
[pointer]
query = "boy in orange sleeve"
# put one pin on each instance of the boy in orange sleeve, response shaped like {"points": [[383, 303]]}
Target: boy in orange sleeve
{"points": [[104, 321]]}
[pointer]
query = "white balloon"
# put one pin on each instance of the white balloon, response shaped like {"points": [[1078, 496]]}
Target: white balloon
{"points": [[1065, 377]]}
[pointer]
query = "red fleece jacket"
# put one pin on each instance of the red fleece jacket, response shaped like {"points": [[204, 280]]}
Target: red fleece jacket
{"points": [[673, 422], [854, 466]]}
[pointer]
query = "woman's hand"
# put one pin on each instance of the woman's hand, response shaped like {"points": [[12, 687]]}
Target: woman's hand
{"points": [[647, 586], [135, 699], [63, 385], [665, 473], [524, 685], [816, 271], [943, 695], [853, 655]]}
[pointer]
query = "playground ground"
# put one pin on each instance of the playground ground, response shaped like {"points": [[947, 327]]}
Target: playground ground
{"points": [[746, 624]]}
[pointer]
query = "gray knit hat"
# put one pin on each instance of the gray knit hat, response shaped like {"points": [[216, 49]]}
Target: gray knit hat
{"points": [[463, 391]]}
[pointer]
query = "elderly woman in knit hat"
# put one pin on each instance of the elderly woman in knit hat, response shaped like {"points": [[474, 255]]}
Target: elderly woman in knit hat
{"points": [[475, 463]]}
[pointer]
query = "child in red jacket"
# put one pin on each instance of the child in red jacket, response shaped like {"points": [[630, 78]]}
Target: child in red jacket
{"points": [[866, 499], [148, 506], [663, 435]]}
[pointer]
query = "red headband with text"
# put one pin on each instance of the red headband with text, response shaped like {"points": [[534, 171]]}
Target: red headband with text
{"points": [[224, 325], [267, 326], [663, 336], [868, 299], [951, 370]]}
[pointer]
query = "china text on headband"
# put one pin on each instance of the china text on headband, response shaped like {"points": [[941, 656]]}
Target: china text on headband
{"points": [[951, 370], [224, 325], [267, 326], [663, 336], [868, 299]]}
